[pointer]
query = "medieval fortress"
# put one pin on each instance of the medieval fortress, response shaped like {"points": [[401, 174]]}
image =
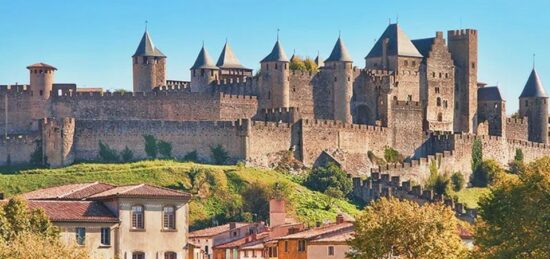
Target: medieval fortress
{"points": [[421, 97]]}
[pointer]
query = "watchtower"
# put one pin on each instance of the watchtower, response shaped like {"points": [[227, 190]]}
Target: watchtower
{"points": [[203, 72], [149, 66], [340, 64], [533, 104], [275, 78], [41, 79]]}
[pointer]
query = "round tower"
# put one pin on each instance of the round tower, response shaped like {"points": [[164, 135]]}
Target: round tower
{"points": [[41, 79], [149, 66], [340, 65], [534, 105], [275, 78], [203, 72]]}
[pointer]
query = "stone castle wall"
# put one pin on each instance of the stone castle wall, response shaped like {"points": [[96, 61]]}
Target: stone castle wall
{"points": [[517, 129], [17, 149]]}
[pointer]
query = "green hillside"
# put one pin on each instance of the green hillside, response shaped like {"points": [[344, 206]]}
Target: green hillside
{"points": [[225, 193]]}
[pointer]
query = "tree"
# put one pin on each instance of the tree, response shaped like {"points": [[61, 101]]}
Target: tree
{"points": [[517, 165], [519, 155], [392, 156], [389, 227], [37, 156], [17, 218], [310, 65], [485, 172], [477, 154], [165, 148], [151, 148], [191, 156], [321, 178], [127, 154], [514, 218], [296, 63], [107, 154], [219, 155], [33, 245], [440, 184], [458, 181]]}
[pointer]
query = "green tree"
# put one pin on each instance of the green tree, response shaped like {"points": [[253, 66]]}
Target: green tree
{"points": [[37, 158], [310, 65], [517, 165], [107, 154], [458, 181], [477, 154], [485, 172], [219, 154], [321, 178], [151, 148], [392, 156], [389, 227], [33, 245], [514, 218], [256, 200], [191, 156], [279, 190], [519, 155], [127, 154], [165, 148], [297, 63], [17, 218]]}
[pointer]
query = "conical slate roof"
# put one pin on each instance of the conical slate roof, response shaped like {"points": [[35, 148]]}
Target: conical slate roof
{"points": [[277, 54], [146, 47], [228, 59], [399, 44], [204, 60], [339, 52], [533, 87]]}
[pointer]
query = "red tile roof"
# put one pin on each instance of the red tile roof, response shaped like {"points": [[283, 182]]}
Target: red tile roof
{"points": [[78, 191], [140, 190], [41, 65], [317, 232], [74, 211], [243, 241], [208, 232], [341, 237]]}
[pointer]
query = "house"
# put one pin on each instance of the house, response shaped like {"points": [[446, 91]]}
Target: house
{"points": [[136, 221]]}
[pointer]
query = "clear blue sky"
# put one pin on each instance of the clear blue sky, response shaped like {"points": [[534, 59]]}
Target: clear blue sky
{"points": [[91, 42]]}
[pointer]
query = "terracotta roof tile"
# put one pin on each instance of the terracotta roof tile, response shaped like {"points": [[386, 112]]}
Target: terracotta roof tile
{"points": [[208, 232], [74, 211], [41, 65], [77, 191], [336, 238], [316, 232]]}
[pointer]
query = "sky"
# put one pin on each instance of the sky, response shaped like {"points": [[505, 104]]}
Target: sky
{"points": [[91, 42]]}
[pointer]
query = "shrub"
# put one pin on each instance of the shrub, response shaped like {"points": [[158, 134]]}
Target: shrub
{"points": [[37, 154], [151, 148], [485, 173], [477, 154], [107, 154], [164, 148], [321, 178], [191, 156], [519, 155], [219, 155], [297, 64], [458, 181], [438, 183], [310, 65], [392, 156], [127, 154]]}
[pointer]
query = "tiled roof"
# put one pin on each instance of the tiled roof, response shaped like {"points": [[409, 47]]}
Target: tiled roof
{"points": [[277, 54], [315, 232], [228, 59], [337, 238], [41, 65], [533, 87], [244, 241], [146, 47], [399, 44], [208, 232], [140, 190], [424, 46], [204, 60], [78, 191], [339, 52], [490, 93], [74, 211]]}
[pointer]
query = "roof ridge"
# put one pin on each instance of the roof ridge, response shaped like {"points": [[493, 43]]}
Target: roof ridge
{"points": [[86, 185]]}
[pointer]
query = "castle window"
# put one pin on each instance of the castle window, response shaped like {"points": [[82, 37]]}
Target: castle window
{"points": [[439, 117], [396, 84], [349, 78], [440, 75], [433, 74], [395, 98], [41, 92], [445, 104], [266, 66], [438, 101], [293, 89], [275, 65], [409, 98], [473, 65], [526, 103], [211, 72], [446, 75], [414, 63], [269, 95], [437, 90], [286, 66], [202, 72]]}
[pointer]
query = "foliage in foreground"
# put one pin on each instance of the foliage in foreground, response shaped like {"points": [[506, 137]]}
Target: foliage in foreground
{"points": [[404, 228], [331, 180], [26, 233], [515, 216]]}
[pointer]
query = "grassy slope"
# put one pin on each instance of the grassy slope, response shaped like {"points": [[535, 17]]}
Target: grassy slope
{"points": [[308, 206], [470, 196]]}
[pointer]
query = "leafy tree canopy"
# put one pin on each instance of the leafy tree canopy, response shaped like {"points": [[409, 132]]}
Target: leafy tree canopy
{"points": [[321, 178]]}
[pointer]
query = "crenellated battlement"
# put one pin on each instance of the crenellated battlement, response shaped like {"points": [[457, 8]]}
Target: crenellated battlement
{"points": [[340, 125], [300, 74], [521, 121], [225, 96], [461, 34], [270, 124], [528, 144], [236, 82], [406, 104], [19, 139]]}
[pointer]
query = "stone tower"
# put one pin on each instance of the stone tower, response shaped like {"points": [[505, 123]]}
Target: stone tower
{"points": [[340, 65], [275, 78], [492, 110], [203, 72], [463, 47], [533, 104], [230, 66], [41, 79], [149, 66]]}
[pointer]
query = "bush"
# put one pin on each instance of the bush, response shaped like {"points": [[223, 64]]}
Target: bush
{"points": [[458, 181], [164, 148], [477, 154], [219, 155], [438, 183], [107, 154], [485, 173], [37, 155], [321, 178], [519, 155], [127, 154], [191, 156], [392, 156], [151, 148]]}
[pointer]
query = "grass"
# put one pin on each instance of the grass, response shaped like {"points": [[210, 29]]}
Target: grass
{"points": [[305, 205], [471, 196]]}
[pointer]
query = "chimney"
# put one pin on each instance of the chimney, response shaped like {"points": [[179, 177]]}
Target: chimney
{"points": [[339, 219], [232, 225], [277, 212]]}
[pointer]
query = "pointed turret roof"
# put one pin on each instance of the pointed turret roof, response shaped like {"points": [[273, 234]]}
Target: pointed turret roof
{"points": [[228, 59], [339, 52], [399, 44], [533, 87], [203, 60], [147, 48], [277, 54]]}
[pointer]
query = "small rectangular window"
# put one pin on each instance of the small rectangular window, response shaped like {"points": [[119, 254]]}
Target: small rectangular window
{"points": [[331, 250], [301, 245], [80, 236], [286, 246], [106, 236]]}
